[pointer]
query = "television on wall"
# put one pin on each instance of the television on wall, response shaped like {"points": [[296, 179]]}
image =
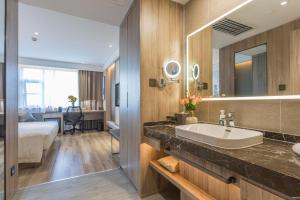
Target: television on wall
{"points": [[117, 95]]}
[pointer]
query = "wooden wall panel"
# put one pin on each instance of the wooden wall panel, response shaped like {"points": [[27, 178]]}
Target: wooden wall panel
{"points": [[11, 97], [209, 184], [108, 94], [295, 62], [198, 45], [278, 61], [161, 40], [251, 192]]}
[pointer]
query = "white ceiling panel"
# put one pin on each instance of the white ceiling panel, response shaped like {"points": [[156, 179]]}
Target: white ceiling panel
{"points": [[105, 11], [64, 37]]}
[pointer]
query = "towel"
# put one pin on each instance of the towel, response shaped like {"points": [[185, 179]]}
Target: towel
{"points": [[170, 163]]}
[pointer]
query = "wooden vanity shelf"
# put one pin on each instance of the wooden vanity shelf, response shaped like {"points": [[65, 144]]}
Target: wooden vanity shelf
{"points": [[181, 183]]}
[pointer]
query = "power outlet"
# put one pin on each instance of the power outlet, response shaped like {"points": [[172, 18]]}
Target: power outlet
{"points": [[13, 170]]}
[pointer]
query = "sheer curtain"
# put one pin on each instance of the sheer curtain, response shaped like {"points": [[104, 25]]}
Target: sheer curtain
{"points": [[46, 87]]}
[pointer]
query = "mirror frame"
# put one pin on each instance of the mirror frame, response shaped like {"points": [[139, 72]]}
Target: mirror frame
{"points": [[187, 78]]}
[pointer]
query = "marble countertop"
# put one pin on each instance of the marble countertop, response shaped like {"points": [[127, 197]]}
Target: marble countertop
{"points": [[271, 164]]}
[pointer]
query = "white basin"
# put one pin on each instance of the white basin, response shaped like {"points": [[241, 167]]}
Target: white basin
{"points": [[220, 136]]}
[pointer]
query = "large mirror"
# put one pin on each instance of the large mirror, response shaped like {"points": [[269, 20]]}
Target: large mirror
{"points": [[246, 54], [2, 114]]}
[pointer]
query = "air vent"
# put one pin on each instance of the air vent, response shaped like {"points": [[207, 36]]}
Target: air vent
{"points": [[231, 27]]}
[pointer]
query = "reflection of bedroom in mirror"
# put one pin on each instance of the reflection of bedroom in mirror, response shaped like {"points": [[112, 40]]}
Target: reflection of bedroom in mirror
{"points": [[245, 55], [250, 69], [68, 101]]}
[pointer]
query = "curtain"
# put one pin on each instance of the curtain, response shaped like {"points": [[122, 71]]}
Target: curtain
{"points": [[90, 89]]}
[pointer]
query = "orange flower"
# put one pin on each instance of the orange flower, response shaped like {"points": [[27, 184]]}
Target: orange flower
{"points": [[198, 99], [192, 97], [184, 101]]}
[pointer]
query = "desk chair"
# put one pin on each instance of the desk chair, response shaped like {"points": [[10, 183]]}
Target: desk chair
{"points": [[74, 117]]}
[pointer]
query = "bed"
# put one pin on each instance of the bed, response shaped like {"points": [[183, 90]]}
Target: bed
{"points": [[35, 138]]}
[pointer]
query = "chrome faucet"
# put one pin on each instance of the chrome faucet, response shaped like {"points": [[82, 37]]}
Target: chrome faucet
{"points": [[227, 121]]}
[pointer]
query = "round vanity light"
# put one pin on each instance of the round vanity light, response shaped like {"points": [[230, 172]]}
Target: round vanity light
{"points": [[172, 69], [195, 71]]}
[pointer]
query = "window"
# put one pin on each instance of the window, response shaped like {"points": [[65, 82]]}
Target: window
{"points": [[42, 87]]}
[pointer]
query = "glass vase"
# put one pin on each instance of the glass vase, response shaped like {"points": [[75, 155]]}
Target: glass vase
{"points": [[191, 119]]}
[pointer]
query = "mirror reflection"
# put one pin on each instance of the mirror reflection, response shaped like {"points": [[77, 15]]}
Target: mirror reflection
{"points": [[249, 55], [2, 114], [196, 71], [250, 69]]}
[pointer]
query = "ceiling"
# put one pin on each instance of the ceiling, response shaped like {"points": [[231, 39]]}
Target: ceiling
{"points": [[247, 54], [66, 37], [268, 15], [105, 11]]}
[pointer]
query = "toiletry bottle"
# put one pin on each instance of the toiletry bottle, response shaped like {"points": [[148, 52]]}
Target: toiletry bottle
{"points": [[222, 120]]}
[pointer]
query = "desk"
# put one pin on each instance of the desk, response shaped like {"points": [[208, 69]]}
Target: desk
{"points": [[87, 116]]}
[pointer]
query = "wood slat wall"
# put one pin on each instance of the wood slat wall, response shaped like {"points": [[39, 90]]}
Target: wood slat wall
{"points": [[162, 37], [295, 62], [161, 41], [143, 52], [11, 97], [209, 184]]}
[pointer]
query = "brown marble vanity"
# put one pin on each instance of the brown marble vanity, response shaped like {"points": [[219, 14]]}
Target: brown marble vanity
{"points": [[271, 167]]}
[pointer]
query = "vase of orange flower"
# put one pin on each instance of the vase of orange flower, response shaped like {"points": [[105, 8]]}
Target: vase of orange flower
{"points": [[190, 105]]}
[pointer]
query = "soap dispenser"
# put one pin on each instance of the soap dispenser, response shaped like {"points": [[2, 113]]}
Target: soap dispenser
{"points": [[222, 119]]}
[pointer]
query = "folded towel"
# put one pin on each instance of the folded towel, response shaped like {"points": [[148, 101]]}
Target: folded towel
{"points": [[296, 148], [170, 163]]}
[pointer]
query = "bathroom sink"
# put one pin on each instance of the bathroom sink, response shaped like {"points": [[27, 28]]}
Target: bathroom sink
{"points": [[220, 136]]}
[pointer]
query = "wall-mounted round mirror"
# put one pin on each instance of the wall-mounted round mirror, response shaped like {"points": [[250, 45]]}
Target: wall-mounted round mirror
{"points": [[172, 69], [196, 71]]}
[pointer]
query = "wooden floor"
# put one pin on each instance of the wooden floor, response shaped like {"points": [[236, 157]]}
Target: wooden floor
{"points": [[72, 155], [110, 185]]}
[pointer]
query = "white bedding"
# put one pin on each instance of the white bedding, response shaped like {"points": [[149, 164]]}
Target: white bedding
{"points": [[34, 138]]}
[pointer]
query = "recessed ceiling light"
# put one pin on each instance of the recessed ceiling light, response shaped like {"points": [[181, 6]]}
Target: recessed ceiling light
{"points": [[110, 46], [36, 33], [283, 3]]}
